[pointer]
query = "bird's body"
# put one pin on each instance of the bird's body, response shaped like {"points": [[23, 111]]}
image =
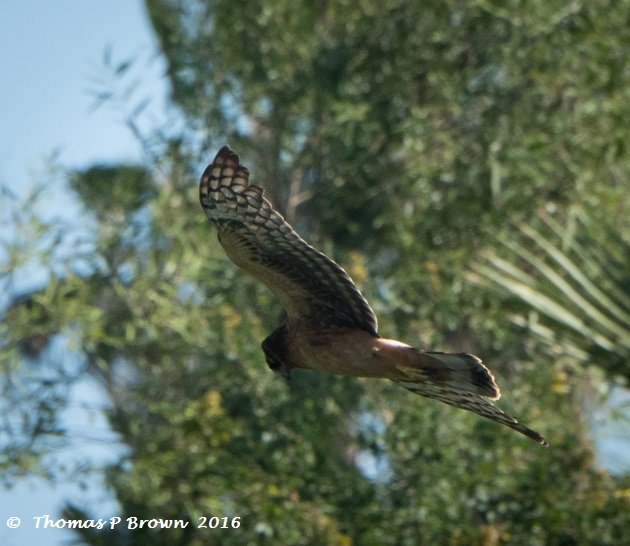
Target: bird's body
{"points": [[329, 325]]}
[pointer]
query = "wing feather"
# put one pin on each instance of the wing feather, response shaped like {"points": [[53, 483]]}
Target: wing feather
{"points": [[471, 401], [256, 237]]}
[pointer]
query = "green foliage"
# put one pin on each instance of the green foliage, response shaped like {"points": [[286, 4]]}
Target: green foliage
{"points": [[404, 138], [112, 190], [576, 286]]}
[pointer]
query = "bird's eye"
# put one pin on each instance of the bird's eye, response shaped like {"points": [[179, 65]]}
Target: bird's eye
{"points": [[273, 361]]}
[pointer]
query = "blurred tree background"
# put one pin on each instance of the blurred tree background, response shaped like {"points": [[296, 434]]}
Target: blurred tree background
{"points": [[466, 162]]}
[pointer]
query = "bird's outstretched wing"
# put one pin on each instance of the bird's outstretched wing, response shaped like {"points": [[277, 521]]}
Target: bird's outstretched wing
{"points": [[309, 285], [471, 401]]}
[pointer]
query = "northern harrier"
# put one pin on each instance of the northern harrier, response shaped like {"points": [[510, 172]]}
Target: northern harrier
{"points": [[329, 325]]}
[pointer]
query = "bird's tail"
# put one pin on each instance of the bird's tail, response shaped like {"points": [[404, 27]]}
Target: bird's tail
{"points": [[460, 380]]}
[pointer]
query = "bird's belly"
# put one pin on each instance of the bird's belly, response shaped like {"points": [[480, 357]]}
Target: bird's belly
{"points": [[342, 351]]}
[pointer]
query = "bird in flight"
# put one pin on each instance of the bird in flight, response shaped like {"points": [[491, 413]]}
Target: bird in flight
{"points": [[329, 325]]}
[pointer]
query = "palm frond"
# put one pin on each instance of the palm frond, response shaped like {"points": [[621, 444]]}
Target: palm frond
{"points": [[573, 278]]}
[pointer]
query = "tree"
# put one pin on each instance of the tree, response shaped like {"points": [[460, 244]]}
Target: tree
{"points": [[430, 127], [575, 285]]}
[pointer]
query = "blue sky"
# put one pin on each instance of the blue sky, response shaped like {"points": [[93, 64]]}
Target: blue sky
{"points": [[50, 54]]}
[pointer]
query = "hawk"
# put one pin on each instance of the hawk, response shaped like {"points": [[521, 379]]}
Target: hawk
{"points": [[329, 325]]}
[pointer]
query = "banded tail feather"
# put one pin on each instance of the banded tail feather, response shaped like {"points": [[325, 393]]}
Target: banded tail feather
{"points": [[461, 380]]}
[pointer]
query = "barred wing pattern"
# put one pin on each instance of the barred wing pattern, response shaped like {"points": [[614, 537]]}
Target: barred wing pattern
{"points": [[308, 284]]}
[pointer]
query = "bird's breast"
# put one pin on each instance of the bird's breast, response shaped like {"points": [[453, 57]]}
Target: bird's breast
{"points": [[340, 350]]}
